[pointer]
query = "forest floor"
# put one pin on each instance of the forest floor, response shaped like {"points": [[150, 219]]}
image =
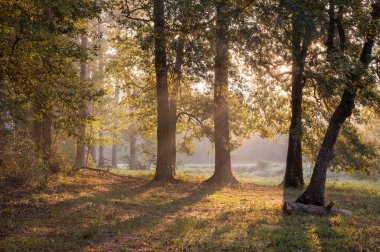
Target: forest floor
{"points": [[92, 212]]}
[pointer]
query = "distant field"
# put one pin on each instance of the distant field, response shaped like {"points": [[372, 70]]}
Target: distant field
{"points": [[92, 211], [268, 171], [264, 170]]}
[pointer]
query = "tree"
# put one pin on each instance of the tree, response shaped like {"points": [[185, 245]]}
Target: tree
{"points": [[100, 75], [184, 17], [300, 43], [164, 169], [315, 192], [115, 145], [81, 159], [132, 148], [223, 171], [39, 83]]}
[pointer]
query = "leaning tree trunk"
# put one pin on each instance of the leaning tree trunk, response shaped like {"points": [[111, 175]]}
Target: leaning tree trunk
{"points": [[223, 171], [315, 192], [293, 172], [81, 160], [164, 168]]}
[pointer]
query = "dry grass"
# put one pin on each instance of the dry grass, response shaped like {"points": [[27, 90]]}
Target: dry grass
{"points": [[109, 214]]}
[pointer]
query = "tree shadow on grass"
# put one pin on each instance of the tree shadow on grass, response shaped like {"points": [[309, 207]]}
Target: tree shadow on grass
{"points": [[69, 221], [155, 214], [99, 218], [234, 225], [305, 232], [131, 215]]}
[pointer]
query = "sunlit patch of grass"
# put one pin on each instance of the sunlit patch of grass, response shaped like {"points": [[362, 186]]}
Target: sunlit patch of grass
{"points": [[314, 241], [106, 213]]}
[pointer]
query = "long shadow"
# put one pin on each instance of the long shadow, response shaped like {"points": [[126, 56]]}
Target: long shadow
{"points": [[149, 214], [154, 214], [117, 190], [303, 232], [29, 213]]}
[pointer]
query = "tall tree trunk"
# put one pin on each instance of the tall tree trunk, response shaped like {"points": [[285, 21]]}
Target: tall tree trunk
{"points": [[315, 192], [47, 138], [92, 150], [164, 169], [132, 149], [101, 161], [173, 100], [91, 146], [37, 134], [81, 160], [180, 53], [114, 155], [223, 171], [293, 172], [115, 145], [101, 73]]}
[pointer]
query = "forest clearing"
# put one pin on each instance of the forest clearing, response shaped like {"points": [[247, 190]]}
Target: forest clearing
{"points": [[105, 213], [189, 125]]}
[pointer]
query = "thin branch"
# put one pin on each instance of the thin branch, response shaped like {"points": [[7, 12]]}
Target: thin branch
{"points": [[75, 169], [204, 128]]}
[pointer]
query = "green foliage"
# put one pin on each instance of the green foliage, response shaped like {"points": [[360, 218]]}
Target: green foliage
{"points": [[19, 165], [40, 57]]}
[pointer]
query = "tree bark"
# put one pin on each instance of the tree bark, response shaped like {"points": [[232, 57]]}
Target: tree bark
{"points": [[132, 149], [81, 160], [164, 168], [101, 152], [223, 172], [101, 159], [92, 151], [293, 172], [47, 124], [315, 192], [91, 146], [114, 155], [115, 145], [37, 134], [331, 28], [180, 53]]}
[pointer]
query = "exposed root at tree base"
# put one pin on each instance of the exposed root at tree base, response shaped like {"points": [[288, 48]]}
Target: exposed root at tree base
{"points": [[298, 208]]}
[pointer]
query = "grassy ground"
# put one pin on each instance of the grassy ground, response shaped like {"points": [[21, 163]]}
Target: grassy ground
{"points": [[90, 211]]}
